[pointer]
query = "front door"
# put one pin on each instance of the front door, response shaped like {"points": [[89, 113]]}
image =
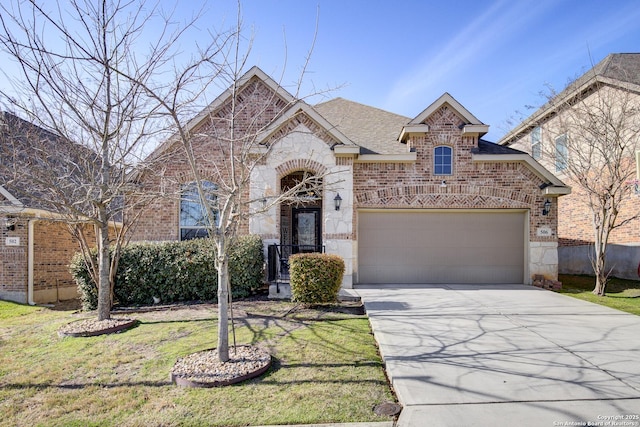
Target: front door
{"points": [[307, 232]]}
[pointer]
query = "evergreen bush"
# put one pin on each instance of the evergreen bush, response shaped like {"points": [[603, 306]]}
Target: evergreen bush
{"points": [[315, 278], [175, 271]]}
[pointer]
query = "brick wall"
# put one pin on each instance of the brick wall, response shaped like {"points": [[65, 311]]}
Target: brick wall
{"points": [[53, 248], [471, 186], [575, 226], [13, 262], [257, 106]]}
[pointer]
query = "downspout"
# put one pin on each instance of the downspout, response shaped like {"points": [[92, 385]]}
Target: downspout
{"points": [[30, 262]]}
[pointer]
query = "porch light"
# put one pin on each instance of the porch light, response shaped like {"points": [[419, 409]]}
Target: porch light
{"points": [[337, 201], [10, 223], [546, 207]]}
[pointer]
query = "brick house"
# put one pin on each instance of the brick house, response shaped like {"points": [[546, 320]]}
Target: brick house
{"points": [[616, 77], [423, 200], [35, 245]]}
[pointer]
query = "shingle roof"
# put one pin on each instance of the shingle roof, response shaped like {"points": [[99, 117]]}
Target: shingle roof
{"points": [[624, 67], [373, 129], [486, 147], [25, 147]]}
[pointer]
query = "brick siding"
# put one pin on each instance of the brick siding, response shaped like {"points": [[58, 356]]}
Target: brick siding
{"points": [[507, 185], [256, 107], [53, 248]]}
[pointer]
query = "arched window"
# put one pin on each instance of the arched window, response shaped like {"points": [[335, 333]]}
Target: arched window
{"points": [[443, 160], [194, 222]]}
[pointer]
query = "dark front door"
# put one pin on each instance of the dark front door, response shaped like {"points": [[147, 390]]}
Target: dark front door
{"points": [[307, 232]]}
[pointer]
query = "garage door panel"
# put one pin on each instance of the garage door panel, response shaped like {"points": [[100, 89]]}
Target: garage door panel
{"points": [[440, 247]]}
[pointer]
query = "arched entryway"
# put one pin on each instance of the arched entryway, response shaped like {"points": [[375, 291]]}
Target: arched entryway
{"points": [[300, 226], [301, 219]]}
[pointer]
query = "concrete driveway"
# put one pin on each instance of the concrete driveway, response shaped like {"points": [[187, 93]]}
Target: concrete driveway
{"points": [[505, 355]]}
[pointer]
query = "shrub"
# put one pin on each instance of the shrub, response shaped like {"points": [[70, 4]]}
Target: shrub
{"points": [[246, 263], [175, 271], [315, 278], [86, 286]]}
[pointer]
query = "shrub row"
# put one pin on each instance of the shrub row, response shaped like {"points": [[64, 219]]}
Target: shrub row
{"points": [[315, 278], [175, 271]]}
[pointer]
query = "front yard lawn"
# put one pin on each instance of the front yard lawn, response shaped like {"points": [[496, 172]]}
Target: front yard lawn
{"points": [[326, 368], [621, 294]]}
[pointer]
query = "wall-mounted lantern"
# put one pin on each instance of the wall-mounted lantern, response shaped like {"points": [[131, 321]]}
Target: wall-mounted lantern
{"points": [[546, 208], [337, 201], [10, 223]]}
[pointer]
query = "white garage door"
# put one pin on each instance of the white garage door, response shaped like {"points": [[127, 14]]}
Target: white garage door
{"points": [[441, 247]]}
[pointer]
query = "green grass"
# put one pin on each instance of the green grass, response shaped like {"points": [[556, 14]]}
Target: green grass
{"points": [[325, 370], [621, 294]]}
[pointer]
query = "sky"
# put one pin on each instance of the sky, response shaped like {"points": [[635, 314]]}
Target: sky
{"points": [[495, 57]]}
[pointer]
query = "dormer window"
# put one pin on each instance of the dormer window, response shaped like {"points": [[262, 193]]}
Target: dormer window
{"points": [[443, 160]]}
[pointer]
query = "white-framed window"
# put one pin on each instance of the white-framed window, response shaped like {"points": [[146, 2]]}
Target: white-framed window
{"points": [[561, 153], [536, 142], [194, 222], [443, 160]]}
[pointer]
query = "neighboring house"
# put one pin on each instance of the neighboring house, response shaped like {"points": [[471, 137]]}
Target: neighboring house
{"points": [[35, 246], [616, 77], [423, 200]]}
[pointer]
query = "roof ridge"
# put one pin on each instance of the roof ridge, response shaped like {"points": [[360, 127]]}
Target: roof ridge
{"points": [[339, 98]]}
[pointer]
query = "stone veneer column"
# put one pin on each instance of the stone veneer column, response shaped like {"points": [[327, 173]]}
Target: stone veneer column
{"points": [[543, 259]]}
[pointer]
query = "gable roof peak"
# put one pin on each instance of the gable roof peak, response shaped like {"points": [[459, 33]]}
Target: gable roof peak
{"points": [[446, 98], [472, 125]]}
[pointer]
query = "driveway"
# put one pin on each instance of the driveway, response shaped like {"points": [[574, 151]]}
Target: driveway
{"points": [[498, 355]]}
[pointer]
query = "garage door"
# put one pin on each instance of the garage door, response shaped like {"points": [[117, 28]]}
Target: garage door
{"points": [[441, 247]]}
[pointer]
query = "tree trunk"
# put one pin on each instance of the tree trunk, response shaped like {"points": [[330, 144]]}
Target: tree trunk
{"points": [[601, 276], [104, 264], [604, 220], [223, 306]]}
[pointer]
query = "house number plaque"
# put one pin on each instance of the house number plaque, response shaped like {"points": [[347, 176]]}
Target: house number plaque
{"points": [[544, 232], [12, 241]]}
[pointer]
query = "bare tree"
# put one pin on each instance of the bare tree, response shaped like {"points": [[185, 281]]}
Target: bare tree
{"points": [[596, 134], [96, 90], [96, 124], [224, 145]]}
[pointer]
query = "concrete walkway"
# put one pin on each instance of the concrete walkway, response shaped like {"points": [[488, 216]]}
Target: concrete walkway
{"points": [[505, 355]]}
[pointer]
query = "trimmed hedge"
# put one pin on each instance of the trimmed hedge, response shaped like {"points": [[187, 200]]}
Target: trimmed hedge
{"points": [[315, 278], [175, 271]]}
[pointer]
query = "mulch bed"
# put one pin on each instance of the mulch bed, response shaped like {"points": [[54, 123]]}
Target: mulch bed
{"points": [[203, 369], [94, 327]]}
